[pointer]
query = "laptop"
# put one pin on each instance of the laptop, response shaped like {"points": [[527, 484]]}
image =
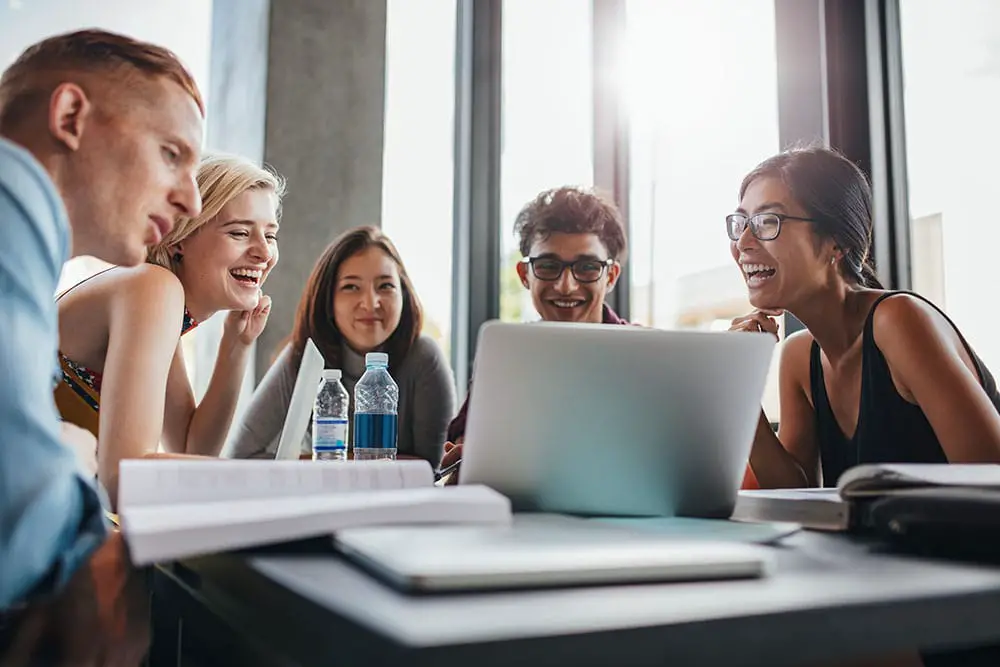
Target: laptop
{"points": [[301, 406], [540, 550], [605, 420]]}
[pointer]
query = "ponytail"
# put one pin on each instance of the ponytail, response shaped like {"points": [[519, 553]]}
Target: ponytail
{"points": [[868, 277]]}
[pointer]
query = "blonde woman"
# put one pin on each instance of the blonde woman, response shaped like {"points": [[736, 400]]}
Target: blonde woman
{"points": [[119, 331]]}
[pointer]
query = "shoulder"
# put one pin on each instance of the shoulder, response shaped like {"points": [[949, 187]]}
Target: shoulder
{"points": [[798, 344], [23, 178], [426, 365], [147, 288], [149, 278], [37, 213], [903, 322], [280, 375], [425, 351], [796, 352]]}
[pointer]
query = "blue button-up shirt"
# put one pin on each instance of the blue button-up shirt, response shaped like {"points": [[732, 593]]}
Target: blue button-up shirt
{"points": [[51, 518]]}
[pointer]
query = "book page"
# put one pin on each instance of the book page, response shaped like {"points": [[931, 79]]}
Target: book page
{"points": [[161, 532], [154, 482]]}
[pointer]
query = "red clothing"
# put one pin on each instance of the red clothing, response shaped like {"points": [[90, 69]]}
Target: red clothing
{"points": [[456, 429]]}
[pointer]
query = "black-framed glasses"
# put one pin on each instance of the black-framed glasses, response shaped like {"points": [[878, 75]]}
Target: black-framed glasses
{"points": [[584, 270], [764, 226]]}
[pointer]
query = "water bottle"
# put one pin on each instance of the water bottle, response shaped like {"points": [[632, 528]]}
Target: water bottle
{"points": [[329, 430], [375, 399]]}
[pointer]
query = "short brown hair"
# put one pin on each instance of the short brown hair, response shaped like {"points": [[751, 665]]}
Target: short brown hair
{"points": [[572, 210], [314, 318], [24, 84]]}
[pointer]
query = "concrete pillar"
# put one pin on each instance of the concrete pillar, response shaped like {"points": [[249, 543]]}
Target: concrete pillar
{"points": [[324, 129]]}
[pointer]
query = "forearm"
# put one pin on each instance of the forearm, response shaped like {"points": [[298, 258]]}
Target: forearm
{"points": [[771, 463], [212, 418]]}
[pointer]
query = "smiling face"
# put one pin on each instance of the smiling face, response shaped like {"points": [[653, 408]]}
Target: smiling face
{"points": [[368, 299], [566, 299], [225, 262], [784, 271]]}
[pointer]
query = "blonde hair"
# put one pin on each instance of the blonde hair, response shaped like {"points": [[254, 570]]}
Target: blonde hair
{"points": [[221, 179]]}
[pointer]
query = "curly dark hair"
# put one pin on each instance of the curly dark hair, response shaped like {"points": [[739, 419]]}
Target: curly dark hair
{"points": [[572, 210]]}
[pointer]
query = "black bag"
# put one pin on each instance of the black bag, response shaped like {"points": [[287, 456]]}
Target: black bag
{"points": [[942, 522]]}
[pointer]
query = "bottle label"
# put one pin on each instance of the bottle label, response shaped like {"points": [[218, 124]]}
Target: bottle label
{"points": [[329, 434], [374, 431]]}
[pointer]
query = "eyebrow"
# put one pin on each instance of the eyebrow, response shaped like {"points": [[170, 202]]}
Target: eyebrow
{"points": [[552, 255], [767, 206], [382, 277], [249, 223]]}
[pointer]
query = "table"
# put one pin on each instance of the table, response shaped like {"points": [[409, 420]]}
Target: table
{"points": [[831, 597]]}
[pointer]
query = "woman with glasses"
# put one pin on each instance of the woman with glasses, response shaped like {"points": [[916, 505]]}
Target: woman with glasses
{"points": [[877, 375], [573, 242], [359, 299]]}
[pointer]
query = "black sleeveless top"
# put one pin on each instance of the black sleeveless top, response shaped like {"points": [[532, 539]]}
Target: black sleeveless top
{"points": [[890, 429]]}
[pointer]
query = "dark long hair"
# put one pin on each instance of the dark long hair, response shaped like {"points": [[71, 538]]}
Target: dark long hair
{"points": [[314, 317], [836, 194]]}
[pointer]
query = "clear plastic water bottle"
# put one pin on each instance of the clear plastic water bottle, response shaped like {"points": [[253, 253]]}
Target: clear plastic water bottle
{"points": [[376, 398], [329, 431]]}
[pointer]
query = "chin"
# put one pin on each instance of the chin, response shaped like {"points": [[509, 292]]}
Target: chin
{"points": [[765, 302], [243, 303], [128, 256], [553, 315]]}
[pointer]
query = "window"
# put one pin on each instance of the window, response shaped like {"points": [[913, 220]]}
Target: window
{"points": [[703, 111], [547, 119], [418, 176], [951, 79]]}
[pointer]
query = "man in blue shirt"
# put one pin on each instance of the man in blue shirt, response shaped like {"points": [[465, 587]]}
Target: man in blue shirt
{"points": [[101, 135]]}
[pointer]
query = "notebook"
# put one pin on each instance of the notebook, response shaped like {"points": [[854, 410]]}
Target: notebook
{"points": [[183, 508], [846, 506], [819, 509], [537, 551]]}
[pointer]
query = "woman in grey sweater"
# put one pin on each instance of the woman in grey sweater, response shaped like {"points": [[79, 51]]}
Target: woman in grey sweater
{"points": [[359, 299]]}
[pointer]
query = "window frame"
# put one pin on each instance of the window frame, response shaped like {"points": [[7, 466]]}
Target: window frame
{"points": [[829, 90]]}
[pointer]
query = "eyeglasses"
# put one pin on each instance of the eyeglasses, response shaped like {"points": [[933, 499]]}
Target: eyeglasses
{"points": [[584, 270], [764, 226]]}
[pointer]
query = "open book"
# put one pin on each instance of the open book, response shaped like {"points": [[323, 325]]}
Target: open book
{"points": [[842, 508], [178, 509]]}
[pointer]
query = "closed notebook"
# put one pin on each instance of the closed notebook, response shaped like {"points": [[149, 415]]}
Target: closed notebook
{"points": [[541, 550], [178, 509], [846, 506], [819, 509]]}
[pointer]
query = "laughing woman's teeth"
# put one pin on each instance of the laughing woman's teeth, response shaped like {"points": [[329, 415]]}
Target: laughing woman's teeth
{"points": [[758, 272], [247, 275]]}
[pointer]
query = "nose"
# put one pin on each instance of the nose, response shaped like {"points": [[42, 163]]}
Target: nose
{"points": [[186, 198], [370, 299], [746, 239], [566, 283], [259, 249]]}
